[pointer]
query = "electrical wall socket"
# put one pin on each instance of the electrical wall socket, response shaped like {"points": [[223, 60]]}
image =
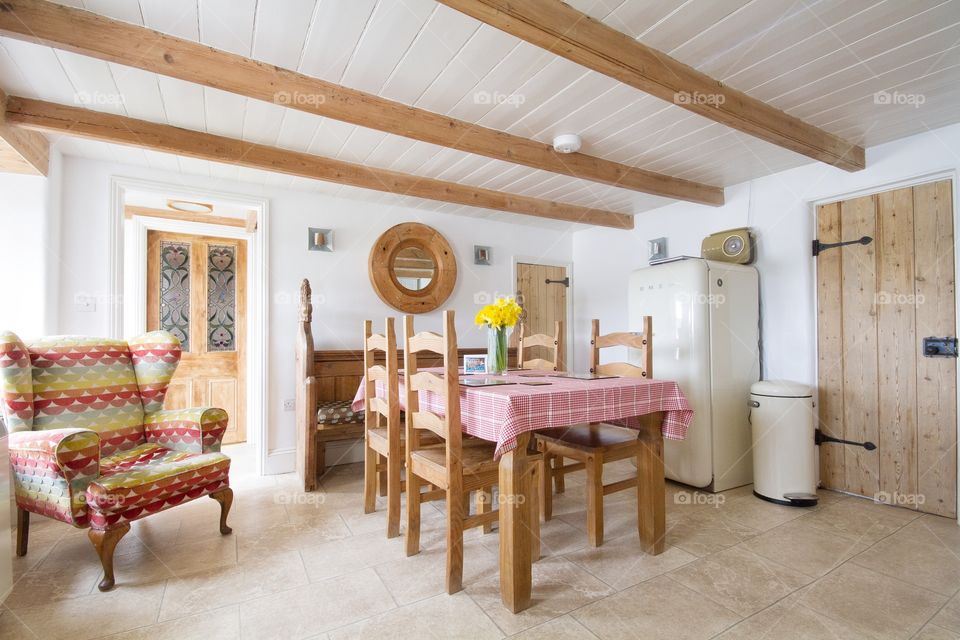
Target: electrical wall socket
{"points": [[290, 405]]}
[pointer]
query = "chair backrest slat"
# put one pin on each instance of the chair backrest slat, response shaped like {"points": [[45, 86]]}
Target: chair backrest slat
{"points": [[429, 421], [428, 381], [642, 342], [554, 343]]}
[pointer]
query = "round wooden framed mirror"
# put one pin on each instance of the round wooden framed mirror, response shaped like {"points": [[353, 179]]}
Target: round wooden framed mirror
{"points": [[412, 268]]}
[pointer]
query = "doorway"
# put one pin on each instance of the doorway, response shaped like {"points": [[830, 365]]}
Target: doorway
{"points": [[542, 293], [881, 379], [197, 290]]}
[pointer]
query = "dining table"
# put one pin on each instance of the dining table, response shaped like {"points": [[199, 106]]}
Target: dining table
{"points": [[524, 401]]}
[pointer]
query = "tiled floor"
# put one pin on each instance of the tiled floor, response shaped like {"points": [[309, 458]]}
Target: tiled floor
{"points": [[314, 566]]}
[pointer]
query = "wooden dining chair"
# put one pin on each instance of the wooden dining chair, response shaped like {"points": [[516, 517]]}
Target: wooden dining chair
{"points": [[383, 454], [593, 445], [553, 343], [458, 466]]}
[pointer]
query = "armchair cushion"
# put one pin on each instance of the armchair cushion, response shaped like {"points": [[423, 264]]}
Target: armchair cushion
{"points": [[52, 470], [150, 478], [197, 430]]}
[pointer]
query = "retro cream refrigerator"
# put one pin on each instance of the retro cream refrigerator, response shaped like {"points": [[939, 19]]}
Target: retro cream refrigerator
{"points": [[706, 337]]}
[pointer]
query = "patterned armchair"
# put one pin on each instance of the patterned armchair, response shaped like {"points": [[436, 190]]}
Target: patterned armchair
{"points": [[90, 443]]}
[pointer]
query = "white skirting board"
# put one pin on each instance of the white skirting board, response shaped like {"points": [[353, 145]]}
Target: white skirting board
{"points": [[341, 452]]}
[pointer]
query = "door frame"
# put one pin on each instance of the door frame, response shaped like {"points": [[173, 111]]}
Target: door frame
{"points": [[128, 253], [570, 355], [925, 178]]}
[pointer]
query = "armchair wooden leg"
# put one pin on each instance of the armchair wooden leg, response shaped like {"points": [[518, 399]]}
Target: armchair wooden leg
{"points": [[225, 498], [105, 542], [23, 531]]}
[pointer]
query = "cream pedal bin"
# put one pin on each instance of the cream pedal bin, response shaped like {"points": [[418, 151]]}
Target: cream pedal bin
{"points": [[783, 423]]}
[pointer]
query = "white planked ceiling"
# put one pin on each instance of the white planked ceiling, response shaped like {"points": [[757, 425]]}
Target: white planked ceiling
{"points": [[821, 60]]}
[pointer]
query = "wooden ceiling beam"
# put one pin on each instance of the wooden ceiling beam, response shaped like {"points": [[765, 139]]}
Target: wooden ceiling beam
{"points": [[38, 115], [90, 34], [22, 151], [561, 29]]}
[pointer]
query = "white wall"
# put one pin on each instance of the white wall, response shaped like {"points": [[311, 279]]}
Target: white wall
{"points": [[29, 246], [343, 295], [778, 207]]}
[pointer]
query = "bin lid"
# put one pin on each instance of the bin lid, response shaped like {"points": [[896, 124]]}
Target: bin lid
{"points": [[781, 389]]}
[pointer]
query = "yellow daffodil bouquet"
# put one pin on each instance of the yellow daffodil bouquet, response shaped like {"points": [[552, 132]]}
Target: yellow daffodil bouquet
{"points": [[503, 313]]}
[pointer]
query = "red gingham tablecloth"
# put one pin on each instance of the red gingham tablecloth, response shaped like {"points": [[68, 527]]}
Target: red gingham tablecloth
{"points": [[501, 413]]}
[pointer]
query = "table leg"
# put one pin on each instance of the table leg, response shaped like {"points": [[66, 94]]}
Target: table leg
{"points": [[515, 528], [651, 488]]}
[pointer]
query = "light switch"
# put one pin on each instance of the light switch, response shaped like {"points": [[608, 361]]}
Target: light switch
{"points": [[84, 303]]}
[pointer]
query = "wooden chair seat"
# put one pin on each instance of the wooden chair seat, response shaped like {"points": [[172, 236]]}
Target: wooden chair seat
{"points": [[477, 459], [590, 437]]}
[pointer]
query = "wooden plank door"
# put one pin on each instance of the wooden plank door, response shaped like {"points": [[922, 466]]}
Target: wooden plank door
{"points": [[543, 302], [196, 288], [876, 303]]}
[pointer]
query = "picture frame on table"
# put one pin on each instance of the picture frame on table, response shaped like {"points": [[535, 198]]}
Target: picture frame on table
{"points": [[474, 364]]}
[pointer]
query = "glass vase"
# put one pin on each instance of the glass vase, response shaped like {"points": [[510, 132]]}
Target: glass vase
{"points": [[497, 350]]}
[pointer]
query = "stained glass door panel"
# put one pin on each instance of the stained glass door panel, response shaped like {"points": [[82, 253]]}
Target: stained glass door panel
{"points": [[196, 289]]}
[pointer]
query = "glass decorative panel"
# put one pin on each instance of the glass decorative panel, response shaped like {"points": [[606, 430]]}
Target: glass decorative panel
{"points": [[222, 298], [175, 290]]}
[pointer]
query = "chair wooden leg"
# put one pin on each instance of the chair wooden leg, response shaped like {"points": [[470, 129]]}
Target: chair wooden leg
{"points": [[455, 516], [535, 485], [23, 531], [105, 541], [594, 468], [546, 488], [225, 498], [413, 514], [485, 504], [369, 479], [382, 475], [393, 495], [558, 478]]}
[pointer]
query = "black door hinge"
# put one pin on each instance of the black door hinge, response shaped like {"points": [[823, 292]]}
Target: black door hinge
{"points": [[823, 246]]}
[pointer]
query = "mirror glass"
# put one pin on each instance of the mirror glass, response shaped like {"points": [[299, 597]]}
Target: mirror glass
{"points": [[414, 268]]}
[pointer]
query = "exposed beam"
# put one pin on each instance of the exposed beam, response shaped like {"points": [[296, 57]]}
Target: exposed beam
{"points": [[561, 29], [22, 151], [46, 116], [93, 35]]}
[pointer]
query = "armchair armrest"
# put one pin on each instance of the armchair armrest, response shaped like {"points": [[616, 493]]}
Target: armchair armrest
{"points": [[52, 470], [197, 430]]}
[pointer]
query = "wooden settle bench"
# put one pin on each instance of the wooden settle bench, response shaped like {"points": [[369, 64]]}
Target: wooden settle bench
{"points": [[327, 381]]}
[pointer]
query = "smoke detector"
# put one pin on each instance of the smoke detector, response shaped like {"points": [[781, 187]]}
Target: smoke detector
{"points": [[566, 143]]}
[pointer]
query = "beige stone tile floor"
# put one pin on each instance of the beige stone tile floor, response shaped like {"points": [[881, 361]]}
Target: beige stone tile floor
{"points": [[314, 566]]}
